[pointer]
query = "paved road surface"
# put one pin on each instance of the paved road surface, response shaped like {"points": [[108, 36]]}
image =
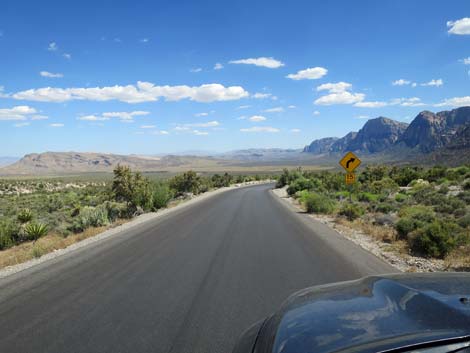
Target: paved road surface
{"points": [[188, 282]]}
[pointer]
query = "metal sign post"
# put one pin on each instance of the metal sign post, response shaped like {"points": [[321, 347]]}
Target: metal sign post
{"points": [[350, 162]]}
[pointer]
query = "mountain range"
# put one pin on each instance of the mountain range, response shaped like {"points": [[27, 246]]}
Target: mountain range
{"points": [[428, 133]]}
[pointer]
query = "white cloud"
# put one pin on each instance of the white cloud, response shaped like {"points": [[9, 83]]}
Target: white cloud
{"points": [[259, 95], [117, 40], [274, 110], [340, 98], [362, 117], [201, 114], [338, 94], [414, 84], [147, 126], [144, 40], [311, 73], [455, 102], [466, 61], [39, 117], [375, 104], [435, 83], [56, 125], [335, 87], [244, 107], [197, 69], [260, 129], [243, 117], [461, 26], [256, 118], [125, 115], [295, 131], [401, 82], [50, 74], [218, 66], [270, 63], [52, 46], [159, 132], [141, 92], [67, 56], [407, 102], [199, 133], [188, 127], [26, 123], [20, 112], [92, 118], [291, 107], [316, 112]]}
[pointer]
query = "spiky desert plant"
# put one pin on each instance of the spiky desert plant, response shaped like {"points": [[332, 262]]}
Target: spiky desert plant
{"points": [[25, 216], [36, 230]]}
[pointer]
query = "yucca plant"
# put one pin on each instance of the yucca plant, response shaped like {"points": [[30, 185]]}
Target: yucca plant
{"points": [[36, 230], [25, 216]]}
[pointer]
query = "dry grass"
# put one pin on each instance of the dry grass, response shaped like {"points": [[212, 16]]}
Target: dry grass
{"points": [[381, 233], [459, 259], [47, 244]]}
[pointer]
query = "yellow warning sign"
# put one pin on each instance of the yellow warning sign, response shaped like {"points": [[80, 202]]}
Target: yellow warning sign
{"points": [[350, 178], [350, 162]]}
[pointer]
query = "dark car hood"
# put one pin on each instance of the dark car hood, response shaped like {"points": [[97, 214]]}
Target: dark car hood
{"points": [[371, 314]]}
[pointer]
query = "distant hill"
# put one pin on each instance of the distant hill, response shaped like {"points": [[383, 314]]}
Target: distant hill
{"points": [[428, 133], [49, 163], [4, 161]]}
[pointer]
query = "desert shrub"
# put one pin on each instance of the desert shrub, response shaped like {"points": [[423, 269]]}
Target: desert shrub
{"points": [[299, 184], [34, 230], [9, 234], [188, 182], [466, 185], [367, 197], [219, 181], [401, 197], [404, 176], [301, 195], [115, 210], [412, 218], [464, 221], [448, 204], [132, 188], [161, 195], [25, 216], [464, 196], [435, 173], [351, 211], [90, 217], [435, 239], [317, 203], [384, 186], [385, 207]]}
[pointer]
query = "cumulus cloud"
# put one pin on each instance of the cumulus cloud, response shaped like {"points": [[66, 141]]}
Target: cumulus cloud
{"points": [[311, 73], [189, 128], [127, 117], [259, 95], [144, 40], [92, 118], [261, 129], [340, 98], [197, 69], [52, 46], [147, 126], [26, 123], [67, 56], [401, 82], [199, 133], [244, 107], [291, 107], [435, 83], [201, 114], [160, 132], [376, 104], [270, 62], [141, 92], [274, 110], [218, 66], [461, 27], [337, 87], [256, 118], [407, 102], [50, 74], [56, 125], [39, 117], [466, 61], [455, 102], [316, 112], [295, 131], [20, 112]]}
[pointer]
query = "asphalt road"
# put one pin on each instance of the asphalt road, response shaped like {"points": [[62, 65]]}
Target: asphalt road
{"points": [[191, 281]]}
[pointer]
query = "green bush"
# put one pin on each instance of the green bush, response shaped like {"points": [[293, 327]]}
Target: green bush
{"points": [[386, 207], [352, 211], [9, 234], [25, 216], [34, 231], [401, 197], [435, 239], [464, 221], [367, 197], [300, 184], [188, 182], [161, 195], [90, 217], [317, 203], [412, 218], [116, 210]]}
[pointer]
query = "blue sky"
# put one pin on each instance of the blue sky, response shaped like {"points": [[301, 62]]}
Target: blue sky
{"points": [[154, 77]]}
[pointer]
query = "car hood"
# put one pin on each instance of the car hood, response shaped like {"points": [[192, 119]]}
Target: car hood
{"points": [[371, 314]]}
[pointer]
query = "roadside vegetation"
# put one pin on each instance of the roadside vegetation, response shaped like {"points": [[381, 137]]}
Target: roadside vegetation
{"points": [[47, 214], [424, 210]]}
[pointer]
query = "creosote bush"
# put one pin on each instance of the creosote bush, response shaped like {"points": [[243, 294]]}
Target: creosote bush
{"points": [[317, 203]]}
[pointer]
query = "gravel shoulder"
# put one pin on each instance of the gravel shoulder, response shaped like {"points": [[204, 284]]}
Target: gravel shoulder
{"points": [[385, 251], [120, 229]]}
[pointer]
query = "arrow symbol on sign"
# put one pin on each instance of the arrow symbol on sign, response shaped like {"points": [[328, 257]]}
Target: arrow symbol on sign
{"points": [[351, 160]]}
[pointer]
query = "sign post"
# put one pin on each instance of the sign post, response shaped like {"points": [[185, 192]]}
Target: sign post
{"points": [[350, 162]]}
